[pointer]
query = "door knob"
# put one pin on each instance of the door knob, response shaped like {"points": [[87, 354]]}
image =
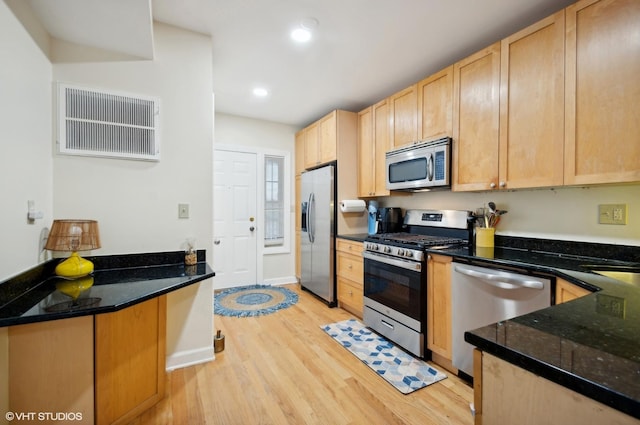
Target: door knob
{"points": [[252, 228]]}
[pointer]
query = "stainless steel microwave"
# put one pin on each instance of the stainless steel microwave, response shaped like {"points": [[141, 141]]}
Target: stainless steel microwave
{"points": [[421, 166]]}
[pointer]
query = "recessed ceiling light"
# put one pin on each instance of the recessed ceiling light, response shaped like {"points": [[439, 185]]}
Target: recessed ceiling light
{"points": [[303, 32], [260, 92], [301, 35]]}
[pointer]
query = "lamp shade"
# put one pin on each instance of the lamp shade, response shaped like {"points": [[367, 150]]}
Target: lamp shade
{"points": [[73, 235]]}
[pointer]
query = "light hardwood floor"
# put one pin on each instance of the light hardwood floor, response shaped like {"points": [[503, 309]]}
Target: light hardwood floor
{"points": [[284, 369]]}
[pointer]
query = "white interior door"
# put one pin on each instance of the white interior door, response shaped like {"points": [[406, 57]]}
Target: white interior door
{"points": [[235, 220]]}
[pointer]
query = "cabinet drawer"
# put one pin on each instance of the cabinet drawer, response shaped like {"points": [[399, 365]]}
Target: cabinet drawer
{"points": [[352, 247], [350, 296], [350, 267]]}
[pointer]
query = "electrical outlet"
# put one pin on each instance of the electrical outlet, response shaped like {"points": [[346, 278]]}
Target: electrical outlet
{"points": [[612, 214], [183, 210], [611, 306]]}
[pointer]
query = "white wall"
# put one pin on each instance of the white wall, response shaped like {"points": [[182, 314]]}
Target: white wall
{"points": [[136, 202], [569, 213], [260, 135], [26, 160]]}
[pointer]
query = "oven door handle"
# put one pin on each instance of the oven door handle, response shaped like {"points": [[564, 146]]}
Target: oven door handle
{"points": [[408, 265]]}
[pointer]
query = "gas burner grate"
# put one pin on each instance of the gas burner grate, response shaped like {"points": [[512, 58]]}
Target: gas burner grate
{"points": [[417, 239]]}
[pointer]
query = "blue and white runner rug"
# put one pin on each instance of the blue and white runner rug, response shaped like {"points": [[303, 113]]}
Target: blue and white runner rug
{"points": [[405, 372]]}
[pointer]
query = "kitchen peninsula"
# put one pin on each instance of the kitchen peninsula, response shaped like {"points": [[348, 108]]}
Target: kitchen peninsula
{"points": [[574, 362], [102, 340]]}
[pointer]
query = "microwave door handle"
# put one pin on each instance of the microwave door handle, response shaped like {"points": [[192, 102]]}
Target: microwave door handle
{"points": [[430, 167]]}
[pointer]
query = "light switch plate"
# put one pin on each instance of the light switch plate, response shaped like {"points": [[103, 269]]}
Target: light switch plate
{"points": [[183, 210], [612, 214]]}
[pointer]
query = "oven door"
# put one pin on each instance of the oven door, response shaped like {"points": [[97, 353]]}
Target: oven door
{"points": [[396, 284]]}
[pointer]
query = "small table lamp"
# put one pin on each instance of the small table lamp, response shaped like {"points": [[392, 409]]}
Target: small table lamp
{"points": [[73, 236]]}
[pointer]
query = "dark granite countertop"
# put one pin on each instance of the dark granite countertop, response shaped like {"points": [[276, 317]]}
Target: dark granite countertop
{"points": [[118, 281], [358, 237], [590, 345]]}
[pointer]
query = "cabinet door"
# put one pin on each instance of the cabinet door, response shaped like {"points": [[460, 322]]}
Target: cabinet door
{"points": [[435, 105], [403, 109], [602, 91], [439, 305], [382, 145], [311, 140], [532, 106], [476, 106], [567, 291], [130, 347], [51, 368], [366, 153], [299, 146], [327, 145]]}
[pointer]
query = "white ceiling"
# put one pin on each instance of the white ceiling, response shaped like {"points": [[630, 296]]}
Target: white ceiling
{"points": [[362, 50]]}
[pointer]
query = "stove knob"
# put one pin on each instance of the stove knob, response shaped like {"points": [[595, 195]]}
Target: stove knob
{"points": [[408, 254], [400, 251], [387, 249]]}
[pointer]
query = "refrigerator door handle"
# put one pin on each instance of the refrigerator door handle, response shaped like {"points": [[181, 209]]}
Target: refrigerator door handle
{"points": [[312, 218], [309, 218]]}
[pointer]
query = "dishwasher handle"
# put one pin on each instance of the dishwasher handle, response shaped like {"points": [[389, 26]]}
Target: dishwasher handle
{"points": [[500, 280]]}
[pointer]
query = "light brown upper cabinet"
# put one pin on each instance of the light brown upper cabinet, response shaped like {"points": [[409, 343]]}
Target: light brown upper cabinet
{"points": [[602, 124], [299, 147], [532, 106], [321, 141], [435, 105], [403, 111], [328, 143], [366, 153], [509, 103], [373, 143], [476, 106], [311, 150]]}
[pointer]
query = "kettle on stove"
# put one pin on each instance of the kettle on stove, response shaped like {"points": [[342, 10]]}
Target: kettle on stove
{"points": [[389, 220]]}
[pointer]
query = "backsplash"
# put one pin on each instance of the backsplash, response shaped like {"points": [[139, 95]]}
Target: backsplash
{"points": [[567, 213]]}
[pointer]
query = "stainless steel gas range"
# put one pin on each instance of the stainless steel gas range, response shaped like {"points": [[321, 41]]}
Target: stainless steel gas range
{"points": [[395, 273]]}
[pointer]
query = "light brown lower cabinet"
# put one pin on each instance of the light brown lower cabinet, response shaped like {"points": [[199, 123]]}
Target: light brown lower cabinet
{"points": [[51, 369], [439, 332], [507, 394], [349, 272], [107, 368], [130, 360], [567, 291]]}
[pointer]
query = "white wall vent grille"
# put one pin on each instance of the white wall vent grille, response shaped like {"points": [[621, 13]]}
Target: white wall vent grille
{"points": [[94, 122]]}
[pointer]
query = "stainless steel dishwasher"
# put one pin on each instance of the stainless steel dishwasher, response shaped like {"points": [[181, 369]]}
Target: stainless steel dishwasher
{"points": [[481, 296]]}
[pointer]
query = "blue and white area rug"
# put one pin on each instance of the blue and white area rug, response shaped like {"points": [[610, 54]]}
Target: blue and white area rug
{"points": [[405, 372], [254, 300]]}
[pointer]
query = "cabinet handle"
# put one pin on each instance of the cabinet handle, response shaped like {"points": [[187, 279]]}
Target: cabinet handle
{"points": [[350, 266], [492, 185], [503, 184], [351, 293]]}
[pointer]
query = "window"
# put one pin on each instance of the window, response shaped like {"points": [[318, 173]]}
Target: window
{"points": [[274, 205]]}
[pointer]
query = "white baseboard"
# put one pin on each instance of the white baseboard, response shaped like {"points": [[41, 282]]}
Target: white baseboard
{"points": [[189, 358], [280, 281]]}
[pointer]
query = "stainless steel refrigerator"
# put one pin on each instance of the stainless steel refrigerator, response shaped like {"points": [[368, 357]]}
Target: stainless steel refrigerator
{"points": [[317, 247]]}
